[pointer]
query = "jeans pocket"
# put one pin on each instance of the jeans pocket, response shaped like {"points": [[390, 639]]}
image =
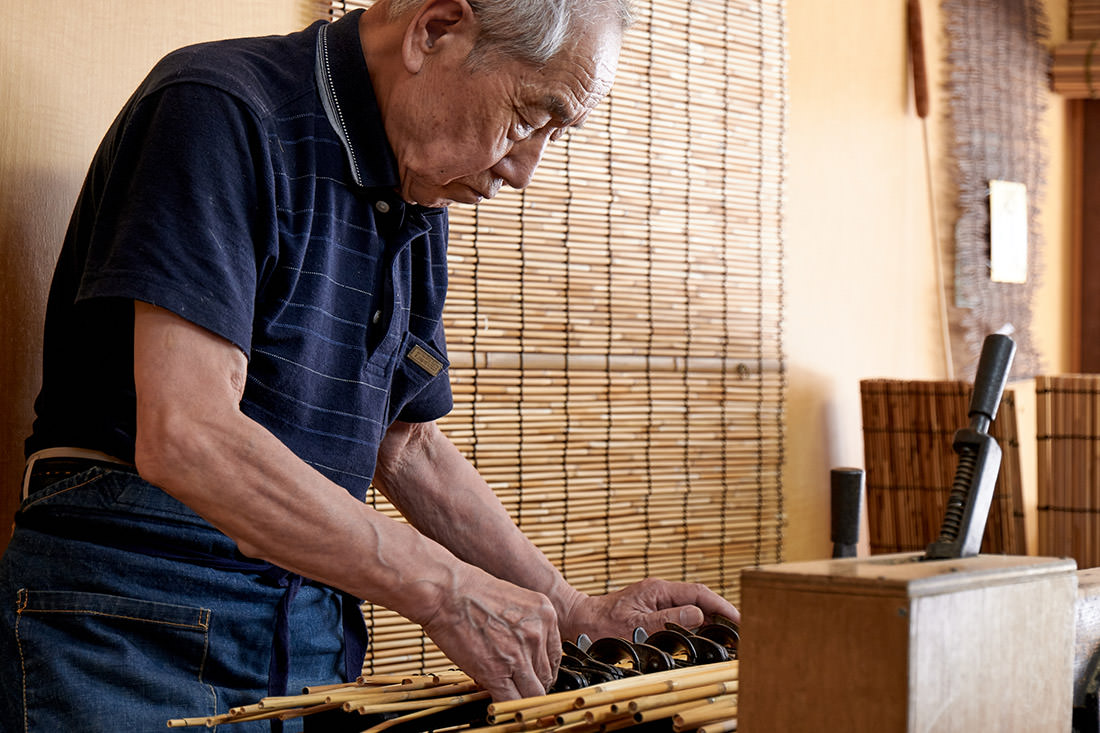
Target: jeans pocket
{"points": [[93, 661]]}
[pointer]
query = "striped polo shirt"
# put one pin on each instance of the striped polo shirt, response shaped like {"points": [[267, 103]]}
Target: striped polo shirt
{"points": [[248, 186]]}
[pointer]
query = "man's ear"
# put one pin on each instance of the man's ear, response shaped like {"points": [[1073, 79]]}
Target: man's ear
{"points": [[438, 25]]}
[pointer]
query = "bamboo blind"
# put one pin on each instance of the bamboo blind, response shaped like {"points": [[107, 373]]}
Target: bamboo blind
{"points": [[1075, 70], [1068, 434], [614, 329], [908, 428]]}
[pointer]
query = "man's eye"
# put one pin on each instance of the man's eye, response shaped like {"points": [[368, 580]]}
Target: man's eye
{"points": [[522, 130]]}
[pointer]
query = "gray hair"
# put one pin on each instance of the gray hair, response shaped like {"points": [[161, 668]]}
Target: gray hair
{"points": [[529, 30]]}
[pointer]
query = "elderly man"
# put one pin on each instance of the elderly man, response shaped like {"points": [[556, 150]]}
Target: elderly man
{"points": [[244, 331]]}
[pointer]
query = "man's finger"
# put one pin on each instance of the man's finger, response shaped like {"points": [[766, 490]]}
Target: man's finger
{"points": [[501, 689], [527, 684], [548, 671], [520, 684], [686, 616]]}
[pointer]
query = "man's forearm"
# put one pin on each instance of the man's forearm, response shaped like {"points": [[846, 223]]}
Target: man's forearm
{"points": [[194, 442], [505, 637], [438, 490], [278, 509], [433, 485]]}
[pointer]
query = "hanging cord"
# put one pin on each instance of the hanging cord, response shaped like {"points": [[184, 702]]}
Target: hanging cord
{"points": [[685, 496], [920, 96]]}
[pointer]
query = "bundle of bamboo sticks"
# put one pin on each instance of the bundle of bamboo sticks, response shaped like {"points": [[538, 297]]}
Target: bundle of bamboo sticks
{"points": [[701, 698]]}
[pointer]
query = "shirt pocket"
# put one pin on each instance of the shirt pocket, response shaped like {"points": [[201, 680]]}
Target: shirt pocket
{"points": [[110, 662], [420, 389]]}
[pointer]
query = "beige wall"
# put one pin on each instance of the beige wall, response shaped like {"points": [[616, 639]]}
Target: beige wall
{"points": [[64, 74], [859, 270], [860, 275]]}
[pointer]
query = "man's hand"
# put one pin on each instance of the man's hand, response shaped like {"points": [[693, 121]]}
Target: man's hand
{"points": [[505, 637], [649, 604]]}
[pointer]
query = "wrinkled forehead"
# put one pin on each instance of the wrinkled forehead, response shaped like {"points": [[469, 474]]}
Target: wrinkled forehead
{"points": [[571, 84]]}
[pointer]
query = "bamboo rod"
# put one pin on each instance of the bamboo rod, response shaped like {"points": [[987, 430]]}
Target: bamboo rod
{"points": [[687, 677], [251, 715], [722, 708], [719, 726], [510, 727], [683, 696], [366, 695], [743, 367], [325, 688], [406, 718], [413, 704], [617, 686], [533, 708]]}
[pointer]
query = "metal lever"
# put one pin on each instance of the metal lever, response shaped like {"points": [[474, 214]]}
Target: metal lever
{"points": [[979, 457]]}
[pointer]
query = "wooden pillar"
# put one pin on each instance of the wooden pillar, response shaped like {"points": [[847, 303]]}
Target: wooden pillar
{"points": [[1086, 119]]}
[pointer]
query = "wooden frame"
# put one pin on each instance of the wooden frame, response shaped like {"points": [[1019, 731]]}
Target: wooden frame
{"points": [[1084, 123]]}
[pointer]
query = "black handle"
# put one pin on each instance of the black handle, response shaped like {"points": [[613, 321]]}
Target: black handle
{"points": [[846, 496], [990, 379]]}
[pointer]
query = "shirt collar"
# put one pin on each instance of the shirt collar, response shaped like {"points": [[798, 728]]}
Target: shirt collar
{"points": [[350, 105]]}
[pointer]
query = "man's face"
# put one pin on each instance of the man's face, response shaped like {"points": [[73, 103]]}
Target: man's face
{"points": [[459, 134]]}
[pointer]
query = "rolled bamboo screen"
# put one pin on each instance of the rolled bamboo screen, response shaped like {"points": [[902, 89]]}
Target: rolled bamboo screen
{"points": [[614, 329], [908, 428], [1075, 71], [1067, 421]]}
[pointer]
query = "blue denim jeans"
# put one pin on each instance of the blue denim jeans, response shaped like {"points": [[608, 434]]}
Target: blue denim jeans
{"points": [[120, 608]]}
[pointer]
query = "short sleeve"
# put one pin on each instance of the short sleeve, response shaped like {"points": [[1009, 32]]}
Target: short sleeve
{"points": [[185, 214], [431, 399]]}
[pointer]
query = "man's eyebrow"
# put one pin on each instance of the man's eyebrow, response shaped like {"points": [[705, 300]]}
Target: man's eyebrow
{"points": [[558, 109]]}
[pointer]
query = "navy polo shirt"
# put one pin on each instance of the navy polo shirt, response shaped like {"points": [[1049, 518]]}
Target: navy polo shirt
{"points": [[248, 186]]}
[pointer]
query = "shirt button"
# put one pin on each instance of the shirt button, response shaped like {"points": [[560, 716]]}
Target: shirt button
{"points": [[376, 317], [382, 206]]}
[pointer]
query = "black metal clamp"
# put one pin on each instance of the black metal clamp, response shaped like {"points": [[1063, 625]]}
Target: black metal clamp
{"points": [[979, 457]]}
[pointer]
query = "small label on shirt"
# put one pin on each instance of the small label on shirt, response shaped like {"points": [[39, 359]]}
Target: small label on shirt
{"points": [[424, 360]]}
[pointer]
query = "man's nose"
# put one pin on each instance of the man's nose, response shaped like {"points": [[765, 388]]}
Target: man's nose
{"points": [[517, 168]]}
